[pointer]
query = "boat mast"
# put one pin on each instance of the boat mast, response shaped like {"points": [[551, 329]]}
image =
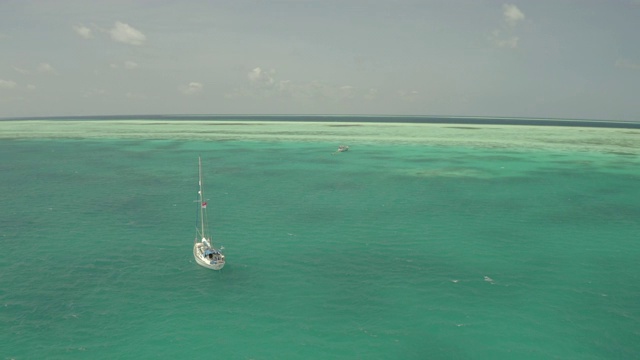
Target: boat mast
{"points": [[201, 196]]}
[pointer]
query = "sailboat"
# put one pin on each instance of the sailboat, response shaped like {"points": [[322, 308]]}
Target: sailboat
{"points": [[203, 250], [342, 148]]}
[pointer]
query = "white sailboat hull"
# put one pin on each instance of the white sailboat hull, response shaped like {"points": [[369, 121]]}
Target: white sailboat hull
{"points": [[216, 263]]}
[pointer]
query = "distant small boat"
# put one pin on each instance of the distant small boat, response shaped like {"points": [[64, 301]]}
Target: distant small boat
{"points": [[203, 250], [343, 148]]}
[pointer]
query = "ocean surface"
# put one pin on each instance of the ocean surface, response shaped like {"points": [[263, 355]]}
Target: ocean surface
{"points": [[424, 241]]}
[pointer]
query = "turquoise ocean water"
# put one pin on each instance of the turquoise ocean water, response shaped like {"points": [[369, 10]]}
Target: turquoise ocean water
{"points": [[393, 250]]}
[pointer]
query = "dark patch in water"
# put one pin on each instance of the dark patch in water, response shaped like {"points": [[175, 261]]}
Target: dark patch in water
{"points": [[237, 124], [178, 123]]}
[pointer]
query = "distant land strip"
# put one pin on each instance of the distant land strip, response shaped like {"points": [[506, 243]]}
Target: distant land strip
{"points": [[410, 119]]}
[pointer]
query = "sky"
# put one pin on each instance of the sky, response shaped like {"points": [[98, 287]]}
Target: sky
{"points": [[542, 59]]}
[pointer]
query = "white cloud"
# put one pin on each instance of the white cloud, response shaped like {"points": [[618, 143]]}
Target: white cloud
{"points": [[506, 38], [259, 77], [135, 96], [498, 40], [7, 84], [627, 64], [20, 70], [408, 95], [347, 92], [191, 88], [512, 14], [130, 65], [265, 85], [95, 92], [31, 87], [371, 94], [511, 42], [83, 31], [125, 33], [46, 68]]}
